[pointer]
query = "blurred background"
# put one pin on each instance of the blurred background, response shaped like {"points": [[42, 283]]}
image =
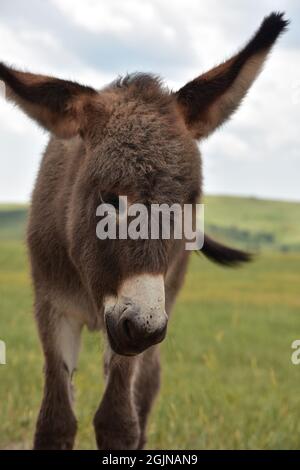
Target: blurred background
{"points": [[228, 381]]}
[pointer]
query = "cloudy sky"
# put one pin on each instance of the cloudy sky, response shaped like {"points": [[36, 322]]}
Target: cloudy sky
{"points": [[93, 41]]}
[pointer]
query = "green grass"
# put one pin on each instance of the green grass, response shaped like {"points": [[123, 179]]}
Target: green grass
{"points": [[227, 382]]}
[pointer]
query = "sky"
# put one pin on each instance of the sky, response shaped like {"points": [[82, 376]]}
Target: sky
{"points": [[93, 41]]}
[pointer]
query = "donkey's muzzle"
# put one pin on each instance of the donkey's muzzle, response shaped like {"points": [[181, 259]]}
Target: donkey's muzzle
{"points": [[130, 331]]}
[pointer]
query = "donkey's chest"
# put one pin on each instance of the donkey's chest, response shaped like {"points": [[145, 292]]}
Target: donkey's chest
{"points": [[79, 308]]}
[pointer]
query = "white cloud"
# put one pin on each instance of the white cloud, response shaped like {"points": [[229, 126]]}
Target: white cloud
{"points": [[115, 16]]}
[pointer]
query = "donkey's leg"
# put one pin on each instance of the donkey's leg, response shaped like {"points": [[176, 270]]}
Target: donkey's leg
{"points": [[116, 420], [60, 336], [147, 385]]}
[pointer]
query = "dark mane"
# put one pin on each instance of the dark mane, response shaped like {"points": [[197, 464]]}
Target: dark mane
{"points": [[138, 80], [146, 87]]}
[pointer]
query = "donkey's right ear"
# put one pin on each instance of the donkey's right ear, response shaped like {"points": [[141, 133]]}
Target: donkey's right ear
{"points": [[57, 105]]}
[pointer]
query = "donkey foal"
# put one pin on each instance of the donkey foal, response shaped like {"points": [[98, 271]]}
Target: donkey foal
{"points": [[137, 139]]}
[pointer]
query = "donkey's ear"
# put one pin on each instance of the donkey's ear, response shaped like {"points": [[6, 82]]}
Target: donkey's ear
{"points": [[210, 99], [55, 104]]}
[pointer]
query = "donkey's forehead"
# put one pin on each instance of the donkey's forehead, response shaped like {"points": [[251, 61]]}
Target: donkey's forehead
{"points": [[142, 117], [139, 101], [140, 149], [145, 145]]}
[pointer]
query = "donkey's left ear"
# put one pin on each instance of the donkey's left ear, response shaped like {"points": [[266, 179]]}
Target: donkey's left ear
{"points": [[210, 99], [57, 105]]}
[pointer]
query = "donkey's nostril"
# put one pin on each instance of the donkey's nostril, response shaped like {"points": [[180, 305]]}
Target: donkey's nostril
{"points": [[134, 330], [127, 327]]}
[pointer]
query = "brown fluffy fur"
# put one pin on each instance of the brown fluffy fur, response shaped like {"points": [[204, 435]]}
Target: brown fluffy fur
{"points": [[133, 138]]}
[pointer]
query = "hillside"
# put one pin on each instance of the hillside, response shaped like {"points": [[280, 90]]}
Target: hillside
{"points": [[12, 221], [254, 223], [248, 222]]}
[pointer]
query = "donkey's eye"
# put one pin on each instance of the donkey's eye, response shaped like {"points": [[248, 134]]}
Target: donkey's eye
{"points": [[112, 199]]}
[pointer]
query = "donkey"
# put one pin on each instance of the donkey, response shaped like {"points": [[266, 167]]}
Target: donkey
{"points": [[133, 138]]}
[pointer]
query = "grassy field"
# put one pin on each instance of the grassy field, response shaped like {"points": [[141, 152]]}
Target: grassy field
{"points": [[228, 381]]}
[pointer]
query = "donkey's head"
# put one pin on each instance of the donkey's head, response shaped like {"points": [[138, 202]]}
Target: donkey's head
{"points": [[139, 140]]}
